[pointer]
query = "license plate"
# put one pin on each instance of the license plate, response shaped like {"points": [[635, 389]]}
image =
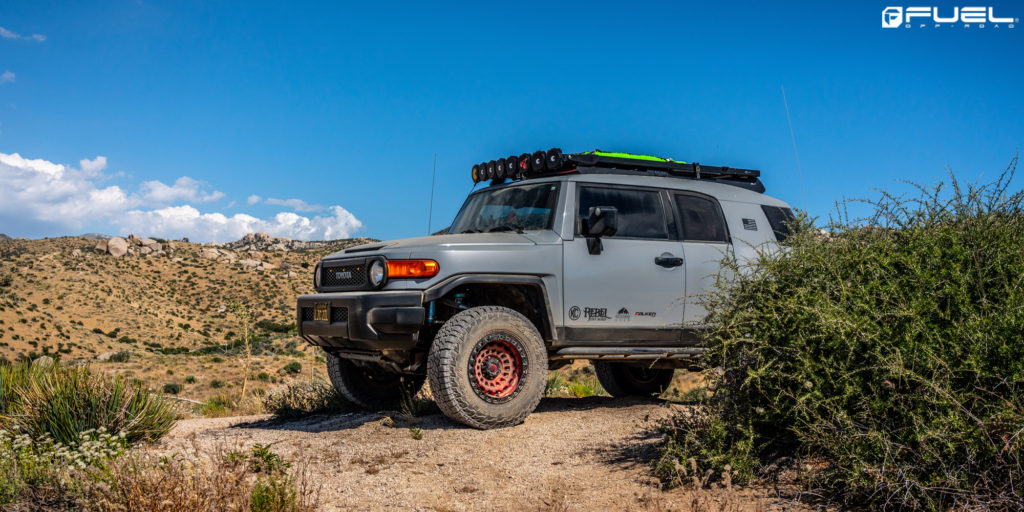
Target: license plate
{"points": [[321, 313]]}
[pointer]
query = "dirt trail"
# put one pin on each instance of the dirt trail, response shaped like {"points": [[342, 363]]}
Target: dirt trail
{"points": [[572, 454]]}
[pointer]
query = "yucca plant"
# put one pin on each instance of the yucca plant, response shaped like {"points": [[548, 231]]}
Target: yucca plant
{"points": [[64, 401]]}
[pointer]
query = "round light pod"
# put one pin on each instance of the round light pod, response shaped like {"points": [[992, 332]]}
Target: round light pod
{"points": [[524, 164], [492, 172], [554, 159], [538, 162], [499, 169], [512, 167], [476, 174], [378, 273]]}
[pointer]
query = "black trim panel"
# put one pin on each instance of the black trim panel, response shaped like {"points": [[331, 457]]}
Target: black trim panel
{"points": [[628, 336]]}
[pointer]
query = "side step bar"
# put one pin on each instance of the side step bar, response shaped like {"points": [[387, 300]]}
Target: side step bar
{"points": [[630, 353]]}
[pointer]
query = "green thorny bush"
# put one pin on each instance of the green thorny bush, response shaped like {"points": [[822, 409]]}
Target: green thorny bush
{"points": [[62, 402], [885, 354]]}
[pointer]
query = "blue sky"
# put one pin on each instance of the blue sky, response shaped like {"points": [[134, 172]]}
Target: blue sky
{"points": [[318, 106]]}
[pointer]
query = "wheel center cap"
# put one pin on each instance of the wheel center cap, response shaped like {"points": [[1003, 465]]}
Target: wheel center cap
{"points": [[491, 367]]}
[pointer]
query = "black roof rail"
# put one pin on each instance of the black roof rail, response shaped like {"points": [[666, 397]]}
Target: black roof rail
{"points": [[590, 163]]}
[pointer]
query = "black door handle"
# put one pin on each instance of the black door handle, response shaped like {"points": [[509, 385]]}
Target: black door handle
{"points": [[668, 262]]}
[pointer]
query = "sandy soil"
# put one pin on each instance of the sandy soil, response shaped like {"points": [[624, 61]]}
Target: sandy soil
{"points": [[572, 454]]}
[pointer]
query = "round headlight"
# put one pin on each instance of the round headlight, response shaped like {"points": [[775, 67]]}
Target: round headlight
{"points": [[316, 276], [377, 271]]}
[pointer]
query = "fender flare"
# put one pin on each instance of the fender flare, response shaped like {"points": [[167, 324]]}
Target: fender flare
{"points": [[441, 289]]}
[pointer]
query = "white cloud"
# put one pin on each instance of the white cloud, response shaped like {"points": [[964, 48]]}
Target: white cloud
{"points": [[7, 77], [187, 221], [184, 189], [7, 34], [39, 197], [95, 165], [295, 204], [45, 192], [253, 199]]}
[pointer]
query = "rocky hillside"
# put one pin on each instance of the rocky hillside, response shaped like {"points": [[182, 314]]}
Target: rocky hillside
{"points": [[148, 300], [56, 294]]}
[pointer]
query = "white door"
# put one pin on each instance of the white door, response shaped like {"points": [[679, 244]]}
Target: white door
{"points": [[639, 279]]}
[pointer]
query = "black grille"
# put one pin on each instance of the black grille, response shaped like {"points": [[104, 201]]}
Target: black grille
{"points": [[343, 276], [307, 314], [339, 315]]}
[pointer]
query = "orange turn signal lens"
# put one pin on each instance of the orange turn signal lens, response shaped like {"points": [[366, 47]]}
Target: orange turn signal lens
{"points": [[398, 269]]}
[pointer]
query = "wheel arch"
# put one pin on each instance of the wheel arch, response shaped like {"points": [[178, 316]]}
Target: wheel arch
{"points": [[530, 297]]}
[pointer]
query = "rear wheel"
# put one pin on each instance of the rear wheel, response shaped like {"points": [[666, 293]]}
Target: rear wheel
{"points": [[369, 385], [620, 379], [488, 367]]}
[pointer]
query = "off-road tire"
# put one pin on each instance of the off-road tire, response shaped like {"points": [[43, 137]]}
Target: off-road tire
{"points": [[459, 344], [621, 380], [370, 387]]}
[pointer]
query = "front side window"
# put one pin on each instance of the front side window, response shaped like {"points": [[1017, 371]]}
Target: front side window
{"points": [[516, 208], [641, 212]]}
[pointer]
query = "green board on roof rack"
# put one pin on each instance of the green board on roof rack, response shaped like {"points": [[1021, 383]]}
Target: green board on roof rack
{"points": [[632, 156]]}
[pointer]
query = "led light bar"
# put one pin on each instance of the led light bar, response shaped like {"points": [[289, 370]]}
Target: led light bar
{"points": [[553, 161]]}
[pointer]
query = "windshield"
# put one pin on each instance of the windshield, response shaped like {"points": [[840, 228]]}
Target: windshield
{"points": [[516, 208]]}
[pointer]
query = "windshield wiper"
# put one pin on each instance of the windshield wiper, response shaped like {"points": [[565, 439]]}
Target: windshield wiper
{"points": [[506, 227]]}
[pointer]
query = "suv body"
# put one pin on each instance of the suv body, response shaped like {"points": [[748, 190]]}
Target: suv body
{"points": [[604, 262]]}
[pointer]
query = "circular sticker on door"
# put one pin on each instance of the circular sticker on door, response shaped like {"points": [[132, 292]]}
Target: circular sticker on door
{"points": [[574, 313]]}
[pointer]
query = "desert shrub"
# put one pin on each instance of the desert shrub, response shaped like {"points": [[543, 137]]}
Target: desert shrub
{"points": [[42, 471], [887, 350], [61, 402], [271, 326], [216, 384], [303, 399], [191, 379], [216, 406], [6, 280], [120, 357], [263, 376], [172, 388], [292, 368]]}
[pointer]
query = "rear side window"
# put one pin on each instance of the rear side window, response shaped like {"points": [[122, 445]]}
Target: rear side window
{"points": [[701, 219], [779, 219], [641, 212]]}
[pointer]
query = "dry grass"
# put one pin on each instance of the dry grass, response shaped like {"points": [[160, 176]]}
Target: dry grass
{"points": [[199, 481]]}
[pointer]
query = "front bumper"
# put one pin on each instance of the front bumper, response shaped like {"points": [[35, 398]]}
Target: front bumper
{"points": [[363, 320]]}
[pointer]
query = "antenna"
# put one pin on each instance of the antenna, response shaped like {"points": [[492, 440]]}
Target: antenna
{"points": [[799, 172], [433, 176]]}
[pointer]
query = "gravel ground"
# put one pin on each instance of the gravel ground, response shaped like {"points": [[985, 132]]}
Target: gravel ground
{"points": [[572, 454]]}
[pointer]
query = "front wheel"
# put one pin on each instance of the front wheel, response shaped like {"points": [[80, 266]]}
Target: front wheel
{"points": [[488, 367], [369, 385], [621, 380]]}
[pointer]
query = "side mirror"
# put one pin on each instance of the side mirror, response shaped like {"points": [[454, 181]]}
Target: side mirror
{"points": [[601, 221]]}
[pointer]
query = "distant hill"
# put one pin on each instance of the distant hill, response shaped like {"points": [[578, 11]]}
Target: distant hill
{"points": [[96, 236], [4, 237], [170, 311], [68, 296]]}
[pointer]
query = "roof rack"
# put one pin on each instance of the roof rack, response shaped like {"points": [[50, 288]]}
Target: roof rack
{"points": [[553, 161]]}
